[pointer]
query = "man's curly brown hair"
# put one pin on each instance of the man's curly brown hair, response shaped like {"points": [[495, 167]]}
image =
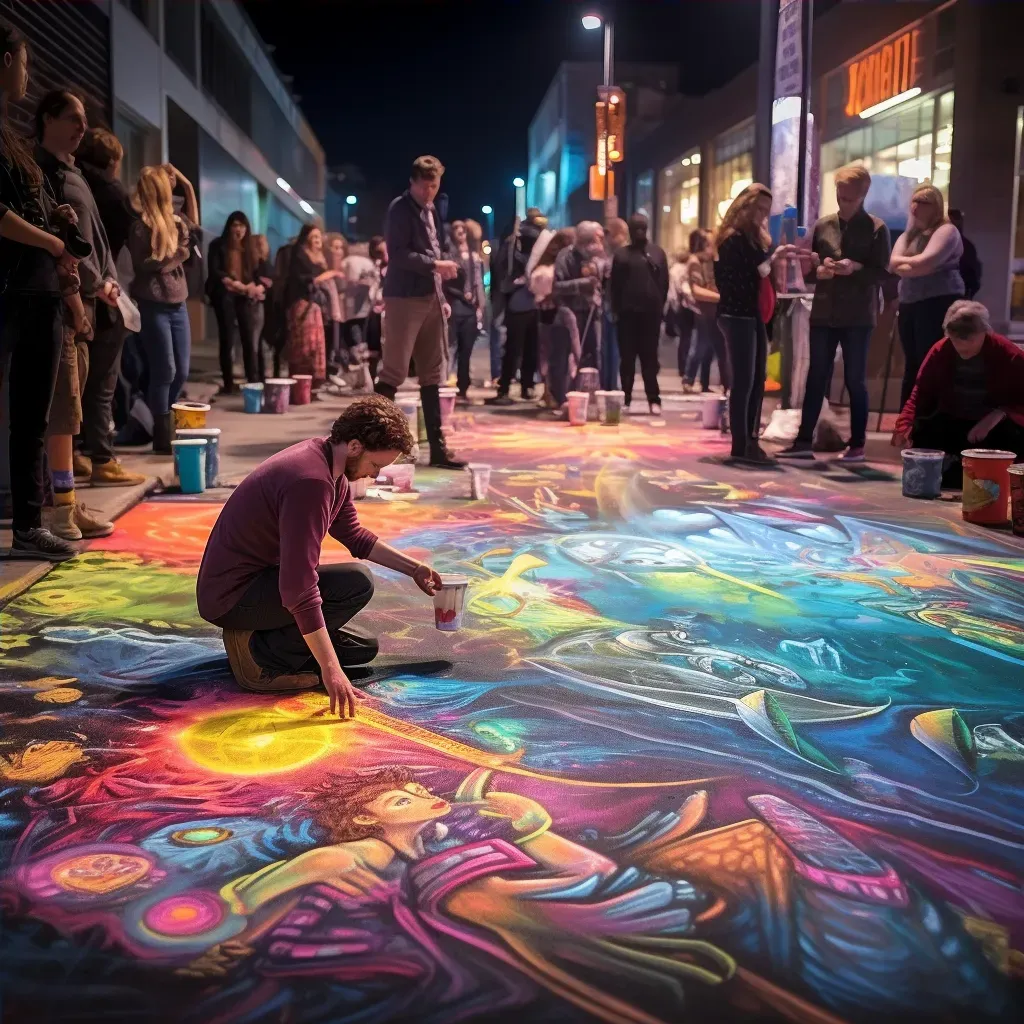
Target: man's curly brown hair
{"points": [[377, 423]]}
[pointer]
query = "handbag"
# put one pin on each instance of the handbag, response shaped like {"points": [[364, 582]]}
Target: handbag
{"points": [[766, 299]]}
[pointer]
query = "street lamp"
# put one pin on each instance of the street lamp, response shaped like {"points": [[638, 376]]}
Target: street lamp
{"points": [[520, 187], [350, 202], [488, 212], [592, 22]]}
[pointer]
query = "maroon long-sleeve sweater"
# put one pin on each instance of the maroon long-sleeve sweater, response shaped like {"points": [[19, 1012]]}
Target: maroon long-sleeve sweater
{"points": [[279, 515]]}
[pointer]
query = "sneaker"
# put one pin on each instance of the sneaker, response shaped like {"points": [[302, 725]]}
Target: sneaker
{"points": [[797, 450], [39, 545], [655, 408], [113, 474], [250, 676], [500, 400], [853, 455], [755, 453], [90, 525], [60, 521], [82, 465]]}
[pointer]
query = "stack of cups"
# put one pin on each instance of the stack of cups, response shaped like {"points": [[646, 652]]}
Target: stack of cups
{"points": [[252, 397], [189, 414], [212, 437], [479, 480], [449, 602], [190, 464], [578, 401], [447, 396]]}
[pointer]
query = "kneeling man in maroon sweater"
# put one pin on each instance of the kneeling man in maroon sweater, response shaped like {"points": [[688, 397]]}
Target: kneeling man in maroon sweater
{"points": [[282, 613]]}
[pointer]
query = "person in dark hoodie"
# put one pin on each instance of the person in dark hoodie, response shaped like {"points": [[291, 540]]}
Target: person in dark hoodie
{"points": [[520, 309], [639, 288], [415, 309]]}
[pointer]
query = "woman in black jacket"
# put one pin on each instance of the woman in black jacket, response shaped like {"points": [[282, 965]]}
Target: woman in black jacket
{"points": [[32, 313], [742, 262], [231, 289]]}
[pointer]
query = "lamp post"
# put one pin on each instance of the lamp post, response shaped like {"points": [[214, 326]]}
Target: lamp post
{"points": [[350, 212], [592, 22], [488, 212], [520, 187]]}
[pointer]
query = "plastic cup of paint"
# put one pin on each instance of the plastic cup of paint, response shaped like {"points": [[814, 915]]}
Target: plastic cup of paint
{"points": [[402, 477], [276, 394], [449, 602], [302, 389], [252, 397], [986, 497], [711, 408], [578, 401], [190, 459], [1016, 474], [189, 414], [479, 480], [447, 396], [922, 472], [212, 435], [409, 407], [611, 414], [358, 487], [588, 379]]}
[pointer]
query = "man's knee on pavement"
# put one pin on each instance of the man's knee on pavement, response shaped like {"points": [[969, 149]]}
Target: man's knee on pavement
{"points": [[350, 584]]}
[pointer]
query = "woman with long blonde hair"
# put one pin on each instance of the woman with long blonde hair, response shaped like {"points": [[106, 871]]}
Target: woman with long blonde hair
{"points": [[926, 257], [159, 243], [742, 261]]}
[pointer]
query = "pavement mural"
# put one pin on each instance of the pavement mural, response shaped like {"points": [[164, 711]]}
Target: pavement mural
{"points": [[739, 749]]}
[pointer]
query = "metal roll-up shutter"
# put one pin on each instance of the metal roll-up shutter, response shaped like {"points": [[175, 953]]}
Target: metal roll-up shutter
{"points": [[69, 47]]}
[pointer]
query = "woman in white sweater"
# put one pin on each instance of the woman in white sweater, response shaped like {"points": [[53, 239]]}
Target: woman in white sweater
{"points": [[926, 257]]}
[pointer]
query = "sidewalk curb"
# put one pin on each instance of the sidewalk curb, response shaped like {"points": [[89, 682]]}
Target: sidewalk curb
{"points": [[14, 583]]}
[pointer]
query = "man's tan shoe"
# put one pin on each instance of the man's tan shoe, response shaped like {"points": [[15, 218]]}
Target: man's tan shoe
{"points": [[250, 676]]}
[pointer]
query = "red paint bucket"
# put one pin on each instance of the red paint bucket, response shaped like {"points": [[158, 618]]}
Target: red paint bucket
{"points": [[302, 389], [986, 499], [1016, 474]]}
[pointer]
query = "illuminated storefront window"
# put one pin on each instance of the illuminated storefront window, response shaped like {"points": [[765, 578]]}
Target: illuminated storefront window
{"points": [[733, 170], [679, 201], [902, 148]]}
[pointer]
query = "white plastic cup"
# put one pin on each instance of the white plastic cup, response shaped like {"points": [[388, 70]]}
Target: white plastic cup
{"points": [[578, 401], [449, 602], [611, 413], [479, 480], [588, 379], [410, 408], [711, 410], [447, 398], [402, 477]]}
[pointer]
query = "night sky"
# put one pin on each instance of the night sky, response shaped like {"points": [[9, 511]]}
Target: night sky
{"points": [[382, 81]]}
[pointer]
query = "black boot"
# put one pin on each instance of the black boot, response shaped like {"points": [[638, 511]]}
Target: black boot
{"points": [[162, 434], [440, 457], [387, 390]]}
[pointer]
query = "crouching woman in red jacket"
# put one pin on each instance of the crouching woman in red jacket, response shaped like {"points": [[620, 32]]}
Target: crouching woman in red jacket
{"points": [[969, 392]]}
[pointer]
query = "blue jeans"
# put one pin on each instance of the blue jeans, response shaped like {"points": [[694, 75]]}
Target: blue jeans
{"points": [[854, 343], [610, 355], [166, 343], [710, 346]]}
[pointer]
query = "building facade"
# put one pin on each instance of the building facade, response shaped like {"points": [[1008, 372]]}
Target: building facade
{"points": [[915, 92], [563, 133]]}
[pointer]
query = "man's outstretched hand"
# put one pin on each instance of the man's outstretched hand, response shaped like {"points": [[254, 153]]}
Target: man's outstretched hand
{"points": [[342, 693], [427, 580]]}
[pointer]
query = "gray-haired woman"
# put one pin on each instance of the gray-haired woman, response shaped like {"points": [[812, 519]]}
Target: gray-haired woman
{"points": [[969, 392]]}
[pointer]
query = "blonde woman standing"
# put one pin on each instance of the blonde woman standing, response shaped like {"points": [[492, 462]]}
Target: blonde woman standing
{"points": [[742, 262], [159, 244], [926, 257]]}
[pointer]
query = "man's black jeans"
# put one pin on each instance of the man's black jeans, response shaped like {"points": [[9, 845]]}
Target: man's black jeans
{"points": [[277, 645]]}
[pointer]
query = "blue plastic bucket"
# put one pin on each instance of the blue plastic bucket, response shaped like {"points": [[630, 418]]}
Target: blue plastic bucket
{"points": [[190, 460], [922, 473], [212, 436], [252, 397]]}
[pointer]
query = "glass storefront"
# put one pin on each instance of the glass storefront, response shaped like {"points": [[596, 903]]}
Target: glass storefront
{"points": [[732, 172], [679, 199], [1017, 263], [902, 148]]}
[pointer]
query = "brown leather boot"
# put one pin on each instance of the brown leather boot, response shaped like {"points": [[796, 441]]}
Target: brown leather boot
{"points": [[250, 676]]}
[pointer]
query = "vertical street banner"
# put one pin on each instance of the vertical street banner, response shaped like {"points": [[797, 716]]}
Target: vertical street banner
{"points": [[789, 62]]}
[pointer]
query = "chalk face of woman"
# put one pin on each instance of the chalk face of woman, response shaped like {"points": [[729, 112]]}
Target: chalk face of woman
{"points": [[410, 805]]}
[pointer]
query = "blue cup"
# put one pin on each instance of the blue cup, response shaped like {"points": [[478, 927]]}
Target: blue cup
{"points": [[212, 436], [922, 473], [252, 397], [190, 460]]}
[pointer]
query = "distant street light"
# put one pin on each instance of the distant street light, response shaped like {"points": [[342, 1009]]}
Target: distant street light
{"points": [[591, 22], [488, 212], [350, 213], [486, 209], [520, 197], [351, 200], [518, 182]]}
